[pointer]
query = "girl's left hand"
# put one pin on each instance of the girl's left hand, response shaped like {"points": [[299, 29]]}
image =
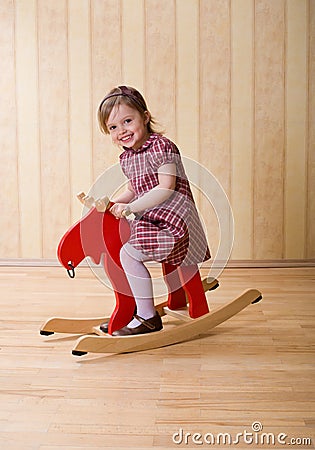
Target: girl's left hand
{"points": [[117, 210]]}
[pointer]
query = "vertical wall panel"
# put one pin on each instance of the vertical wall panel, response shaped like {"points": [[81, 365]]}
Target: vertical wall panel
{"points": [[133, 50], [215, 88], [106, 73], [269, 129], [26, 47], [160, 82], [54, 125], [310, 237], [187, 80], [242, 106], [296, 118], [215, 101], [80, 123], [9, 217]]}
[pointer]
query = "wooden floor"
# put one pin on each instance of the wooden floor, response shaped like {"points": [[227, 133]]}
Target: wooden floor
{"points": [[256, 367]]}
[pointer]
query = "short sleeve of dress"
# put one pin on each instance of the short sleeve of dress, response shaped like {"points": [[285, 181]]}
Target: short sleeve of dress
{"points": [[164, 152]]}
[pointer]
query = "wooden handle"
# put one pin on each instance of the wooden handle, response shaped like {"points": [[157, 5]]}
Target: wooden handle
{"points": [[100, 204], [128, 214], [86, 200]]}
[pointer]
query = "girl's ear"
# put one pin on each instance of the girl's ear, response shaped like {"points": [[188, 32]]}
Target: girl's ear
{"points": [[147, 117]]}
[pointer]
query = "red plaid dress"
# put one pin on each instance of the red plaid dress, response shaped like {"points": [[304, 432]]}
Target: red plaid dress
{"points": [[170, 232]]}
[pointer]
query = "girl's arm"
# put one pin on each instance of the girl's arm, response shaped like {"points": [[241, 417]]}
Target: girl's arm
{"points": [[157, 195], [160, 193], [127, 196], [121, 202]]}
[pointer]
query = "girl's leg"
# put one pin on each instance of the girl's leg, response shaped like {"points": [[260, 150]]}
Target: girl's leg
{"points": [[140, 282]]}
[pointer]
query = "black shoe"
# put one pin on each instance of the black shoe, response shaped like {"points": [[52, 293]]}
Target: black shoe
{"points": [[104, 326], [147, 326]]}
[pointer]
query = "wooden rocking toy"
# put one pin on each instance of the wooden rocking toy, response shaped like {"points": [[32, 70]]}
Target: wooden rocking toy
{"points": [[186, 301]]}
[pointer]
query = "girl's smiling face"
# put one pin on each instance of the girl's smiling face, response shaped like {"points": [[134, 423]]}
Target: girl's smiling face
{"points": [[127, 127]]}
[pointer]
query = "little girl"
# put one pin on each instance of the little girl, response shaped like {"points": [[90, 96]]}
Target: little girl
{"points": [[167, 227]]}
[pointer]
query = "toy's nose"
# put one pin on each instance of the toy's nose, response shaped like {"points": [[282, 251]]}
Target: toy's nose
{"points": [[70, 252]]}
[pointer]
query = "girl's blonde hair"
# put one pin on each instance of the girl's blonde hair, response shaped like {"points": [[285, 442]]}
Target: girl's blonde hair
{"points": [[123, 95]]}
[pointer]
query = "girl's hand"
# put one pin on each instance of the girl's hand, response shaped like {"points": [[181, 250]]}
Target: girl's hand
{"points": [[117, 209]]}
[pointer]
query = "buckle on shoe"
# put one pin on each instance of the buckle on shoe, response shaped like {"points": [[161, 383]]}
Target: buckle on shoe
{"points": [[144, 322]]}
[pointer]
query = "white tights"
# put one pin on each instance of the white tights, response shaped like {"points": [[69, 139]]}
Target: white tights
{"points": [[140, 281]]}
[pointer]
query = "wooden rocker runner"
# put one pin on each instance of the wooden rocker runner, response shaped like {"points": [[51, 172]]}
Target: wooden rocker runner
{"points": [[186, 299]]}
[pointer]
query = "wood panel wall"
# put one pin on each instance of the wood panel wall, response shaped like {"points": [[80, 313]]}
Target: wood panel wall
{"points": [[231, 81]]}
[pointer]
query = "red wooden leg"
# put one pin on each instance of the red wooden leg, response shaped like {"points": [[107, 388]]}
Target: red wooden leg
{"points": [[125, 302], [192, 285], [176, 294]]}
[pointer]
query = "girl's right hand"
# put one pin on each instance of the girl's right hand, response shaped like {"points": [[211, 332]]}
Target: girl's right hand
{"points": [[117, 209]]}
